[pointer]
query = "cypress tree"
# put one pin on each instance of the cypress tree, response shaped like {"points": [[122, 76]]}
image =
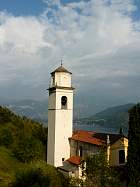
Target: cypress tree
{"points": [[133, 163]]}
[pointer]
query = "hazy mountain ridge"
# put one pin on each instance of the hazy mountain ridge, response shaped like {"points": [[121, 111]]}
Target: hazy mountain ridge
{"points": [[36, 110], [114, 117]]}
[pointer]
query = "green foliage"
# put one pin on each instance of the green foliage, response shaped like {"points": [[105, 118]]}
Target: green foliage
{"points": [[6, 137], [4, 115], [40, 174], [75, 182], [8, 166], [98, 173], [133, 163], [28, 149], [21, 140], [26, 138], [17, 173], [33, 177]]}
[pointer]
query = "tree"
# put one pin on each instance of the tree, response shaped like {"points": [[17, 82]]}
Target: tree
{"points": [[98, 173], [133, 163]]}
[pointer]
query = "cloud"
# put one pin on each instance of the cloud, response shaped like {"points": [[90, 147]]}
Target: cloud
{"points": [[21, 34], [98, 40]]}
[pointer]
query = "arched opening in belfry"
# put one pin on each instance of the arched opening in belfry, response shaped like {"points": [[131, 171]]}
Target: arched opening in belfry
{"points": [[63, 102]]}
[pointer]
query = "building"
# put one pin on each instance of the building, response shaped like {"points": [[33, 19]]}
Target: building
{"points": [[87, 143], [60, 116], [67, 149]]}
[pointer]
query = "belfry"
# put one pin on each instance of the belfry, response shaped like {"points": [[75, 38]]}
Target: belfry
{"points": [[60, 116]]}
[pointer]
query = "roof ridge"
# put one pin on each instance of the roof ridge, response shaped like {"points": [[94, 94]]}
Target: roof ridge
{"points": [[61, 69]]}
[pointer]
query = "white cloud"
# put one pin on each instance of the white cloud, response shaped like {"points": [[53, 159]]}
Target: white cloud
{"points": [[21, 35], [98, 40]]}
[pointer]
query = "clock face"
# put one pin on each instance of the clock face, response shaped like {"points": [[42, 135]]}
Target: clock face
{"points": [[64, 100]]}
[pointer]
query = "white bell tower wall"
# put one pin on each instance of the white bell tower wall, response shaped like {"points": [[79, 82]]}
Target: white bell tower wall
{"points": [[62, 79], [60, 119]]}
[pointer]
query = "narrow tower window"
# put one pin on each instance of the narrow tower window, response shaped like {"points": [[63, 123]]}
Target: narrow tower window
{"points": [[64, 102]]}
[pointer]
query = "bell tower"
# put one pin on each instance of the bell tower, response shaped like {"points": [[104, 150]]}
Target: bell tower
{"points": [[60, 116]]}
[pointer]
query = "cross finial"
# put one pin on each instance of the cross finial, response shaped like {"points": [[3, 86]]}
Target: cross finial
{"points": [[61, 62]]}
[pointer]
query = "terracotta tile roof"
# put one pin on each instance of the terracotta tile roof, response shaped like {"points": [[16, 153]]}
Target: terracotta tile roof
{"points": [[75, 160], [87, 136], [95, 138]]}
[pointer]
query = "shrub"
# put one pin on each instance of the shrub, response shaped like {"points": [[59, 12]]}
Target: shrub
{"points": [[39, 174], [33, 177], [28, 149], [6, 137]]}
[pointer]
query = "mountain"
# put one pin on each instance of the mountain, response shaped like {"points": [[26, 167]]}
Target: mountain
{"points": [[115, 116], [110, 118], [36, 110]]}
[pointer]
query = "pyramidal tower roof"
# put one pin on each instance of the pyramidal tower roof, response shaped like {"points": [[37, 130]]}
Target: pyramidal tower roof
{"points": [[61, 69]]}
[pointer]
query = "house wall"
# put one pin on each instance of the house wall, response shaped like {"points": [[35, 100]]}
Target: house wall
{"points": [[121, 144], [71, 170], [87, 148], [90, 149]]}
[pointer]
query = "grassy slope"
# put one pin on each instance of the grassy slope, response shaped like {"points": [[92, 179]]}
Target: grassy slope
{"points": [[8, 166]]}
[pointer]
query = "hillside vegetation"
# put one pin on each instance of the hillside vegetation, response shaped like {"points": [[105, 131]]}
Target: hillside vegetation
{"points": [[22, 152]]}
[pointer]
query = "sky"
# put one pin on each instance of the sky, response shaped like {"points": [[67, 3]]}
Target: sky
{"points": [[98, 40]]}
